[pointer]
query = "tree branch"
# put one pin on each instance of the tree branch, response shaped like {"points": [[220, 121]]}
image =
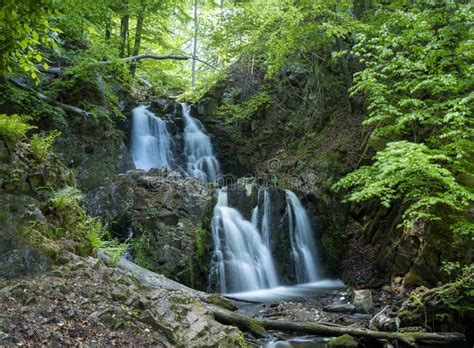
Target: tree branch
{"points": [[50, 100], [148, 56], [57, 70]]}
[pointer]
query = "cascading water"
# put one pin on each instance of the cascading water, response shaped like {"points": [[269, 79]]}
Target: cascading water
{"points": [[201, 161], [151, 143], [242, 261], [302, 242], [264, 224]]}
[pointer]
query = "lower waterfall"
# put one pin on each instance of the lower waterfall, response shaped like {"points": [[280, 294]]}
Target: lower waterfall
{"points": [[242, 262], [303, 246]]}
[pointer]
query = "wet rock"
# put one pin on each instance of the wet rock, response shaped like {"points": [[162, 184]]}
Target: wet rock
{"points": [[163, 210], [362, 300], [344, 341], [383, 322], [340, 308]]}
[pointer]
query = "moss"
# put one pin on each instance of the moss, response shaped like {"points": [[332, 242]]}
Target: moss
{"points": [[199, 266], [331, 242], [142, 254], [239, 341], [221, 302], [256, 328], [344, 341]]}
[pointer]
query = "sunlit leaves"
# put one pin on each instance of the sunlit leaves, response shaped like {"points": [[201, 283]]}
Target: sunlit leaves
{"points": [[26, 32]]}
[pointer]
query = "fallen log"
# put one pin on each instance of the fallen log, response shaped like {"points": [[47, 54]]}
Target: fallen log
{"points": [[259, 327], [50, 100]]}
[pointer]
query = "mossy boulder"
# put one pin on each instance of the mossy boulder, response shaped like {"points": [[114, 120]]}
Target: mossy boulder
{"points": [[344, 341]]}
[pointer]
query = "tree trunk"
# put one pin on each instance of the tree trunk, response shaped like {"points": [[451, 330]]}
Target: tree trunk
{"points": [[107, 29], [123, 34], [138, 36], [195, 40]]}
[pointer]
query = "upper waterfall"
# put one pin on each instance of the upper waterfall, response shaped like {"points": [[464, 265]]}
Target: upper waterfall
{"points": [[242, 262], [151, 144], [201, 161], [303, 246]]}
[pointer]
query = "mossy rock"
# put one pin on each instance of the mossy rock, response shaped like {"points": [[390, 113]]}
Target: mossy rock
{"points": [[344, 341]]}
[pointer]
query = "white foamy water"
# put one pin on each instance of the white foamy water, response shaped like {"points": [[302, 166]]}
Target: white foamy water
{"points": [[151, 142], [201, 161]]}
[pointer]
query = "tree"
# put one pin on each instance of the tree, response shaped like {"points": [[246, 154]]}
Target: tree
{"points": [[25, 29], [195, 41], [418, 79]]}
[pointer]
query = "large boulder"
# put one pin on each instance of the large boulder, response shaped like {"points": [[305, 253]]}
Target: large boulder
{"points": [[165, 212], [362, 300]]}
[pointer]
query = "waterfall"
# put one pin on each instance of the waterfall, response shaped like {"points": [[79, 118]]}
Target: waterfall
{"points": [[303, 245], [151, 144], [201, 162], [242, 261], [264, 224]]}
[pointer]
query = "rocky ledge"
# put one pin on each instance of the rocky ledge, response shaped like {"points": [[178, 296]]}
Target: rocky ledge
{"points": [[86, 303]]}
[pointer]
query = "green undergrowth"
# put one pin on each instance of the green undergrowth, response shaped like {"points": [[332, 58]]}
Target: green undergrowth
{"points": [[200, 263], [43, 190], [442, 308], [142, 253]]}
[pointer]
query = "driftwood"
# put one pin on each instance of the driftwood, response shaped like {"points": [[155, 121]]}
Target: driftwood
{"points": [[50, 100], [258, 328], [218, 306]]}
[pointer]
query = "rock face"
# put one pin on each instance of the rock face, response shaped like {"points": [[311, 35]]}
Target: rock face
{"points": [[164, 210], [25, 187]]}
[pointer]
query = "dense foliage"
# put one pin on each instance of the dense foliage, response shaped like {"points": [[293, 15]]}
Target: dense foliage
{"points": [[25, 25], [419, 81]]}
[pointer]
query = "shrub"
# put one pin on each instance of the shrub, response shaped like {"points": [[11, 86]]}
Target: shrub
{"points": [[115, 250], [41, 144], [259, 101], [14, 127], [65, 198]]}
